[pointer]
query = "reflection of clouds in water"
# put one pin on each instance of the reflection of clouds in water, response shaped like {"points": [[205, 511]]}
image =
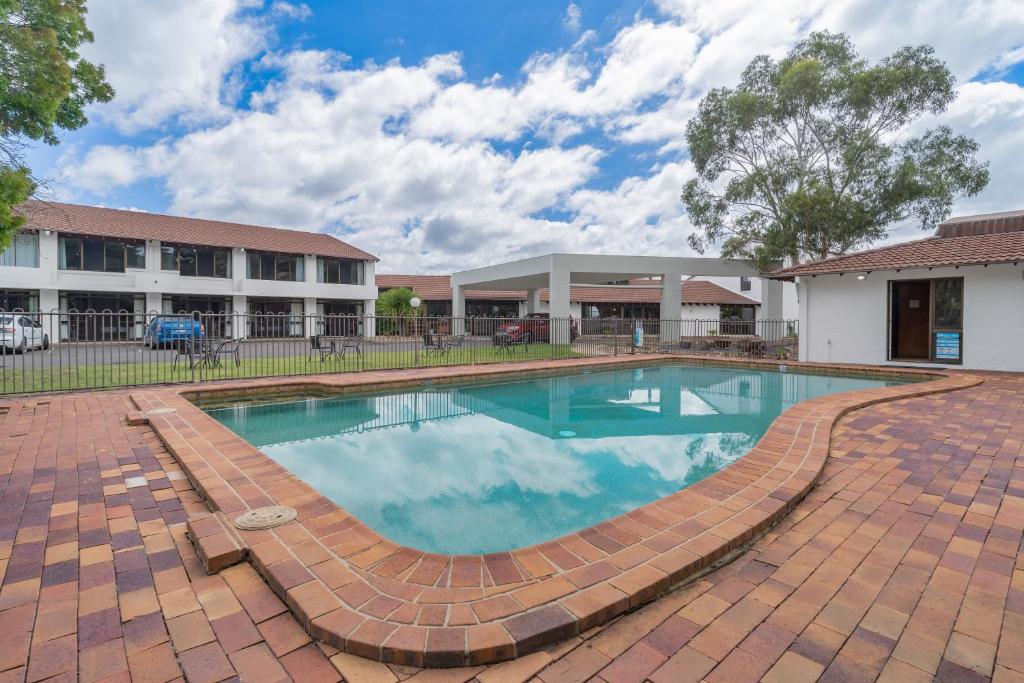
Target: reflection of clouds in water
{"points": [[463, 457], [673, 459]]}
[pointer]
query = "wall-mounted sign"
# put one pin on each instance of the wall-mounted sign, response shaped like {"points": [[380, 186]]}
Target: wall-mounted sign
{"points": [[947, 346], [915, 303]]}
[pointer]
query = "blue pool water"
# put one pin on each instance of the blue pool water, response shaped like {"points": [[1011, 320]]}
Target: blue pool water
{"points": [[486, 468]]}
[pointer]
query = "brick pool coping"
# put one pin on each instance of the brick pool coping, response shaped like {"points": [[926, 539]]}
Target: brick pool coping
{"points": [[365, 595]]}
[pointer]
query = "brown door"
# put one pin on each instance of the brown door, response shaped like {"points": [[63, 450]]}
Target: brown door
{"points": [[911, 304]]}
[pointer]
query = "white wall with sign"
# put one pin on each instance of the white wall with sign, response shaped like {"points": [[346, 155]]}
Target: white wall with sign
{"points": [[846, 320]]}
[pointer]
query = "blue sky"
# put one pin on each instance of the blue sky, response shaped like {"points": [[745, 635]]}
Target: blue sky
{"points": [[448, 134]]}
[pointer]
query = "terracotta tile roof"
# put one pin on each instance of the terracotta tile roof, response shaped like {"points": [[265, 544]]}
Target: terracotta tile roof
{"points": [[93, 220], [438, 288], [981, 224], [1005, 247]]}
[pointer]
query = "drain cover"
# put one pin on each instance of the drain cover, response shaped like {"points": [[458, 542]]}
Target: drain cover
{"points": [[265, 518], [161, 411]]}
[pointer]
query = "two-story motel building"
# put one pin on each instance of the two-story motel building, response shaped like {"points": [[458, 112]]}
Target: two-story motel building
{"points": [[83, 258]]}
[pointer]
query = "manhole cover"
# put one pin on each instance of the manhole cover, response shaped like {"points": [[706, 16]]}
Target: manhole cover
{"points": [[161, 411], [265, 518]]}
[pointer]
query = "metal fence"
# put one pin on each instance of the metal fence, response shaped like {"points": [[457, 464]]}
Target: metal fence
{"points": [[66, 350]]}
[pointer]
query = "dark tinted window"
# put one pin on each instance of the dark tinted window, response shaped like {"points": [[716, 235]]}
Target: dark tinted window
{"points": [[168, 257], [187, 260], [73, 254], [949, 303], [222, 263], [93, 254], [135, 255], [114, 252], [205, 266]]}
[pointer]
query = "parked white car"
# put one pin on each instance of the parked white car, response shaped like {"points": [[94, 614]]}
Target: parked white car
{"points": [[21, 333]]}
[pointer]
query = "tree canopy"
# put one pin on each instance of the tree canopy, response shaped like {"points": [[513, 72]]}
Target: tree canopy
{"points": [[809, 156], [395, 302], [45, 86]]}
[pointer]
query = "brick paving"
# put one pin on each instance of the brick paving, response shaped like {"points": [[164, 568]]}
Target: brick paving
{"points": [[903, 564], [365, 595]]}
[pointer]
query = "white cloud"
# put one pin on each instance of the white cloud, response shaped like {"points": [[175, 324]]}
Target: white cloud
{"points": [[171, 59], [299, 11], [434, 171], [573, 18]]}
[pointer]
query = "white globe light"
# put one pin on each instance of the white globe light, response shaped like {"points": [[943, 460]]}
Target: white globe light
{"points": [[414, 302]]}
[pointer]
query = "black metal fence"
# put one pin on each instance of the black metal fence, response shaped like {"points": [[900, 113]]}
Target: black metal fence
{"points": [[59, 351]]}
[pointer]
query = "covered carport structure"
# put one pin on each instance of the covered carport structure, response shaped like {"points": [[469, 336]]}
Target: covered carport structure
{"points": [[560, 272]]}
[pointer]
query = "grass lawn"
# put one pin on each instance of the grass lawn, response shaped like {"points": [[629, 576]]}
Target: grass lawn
{"points": [[47, 375]]}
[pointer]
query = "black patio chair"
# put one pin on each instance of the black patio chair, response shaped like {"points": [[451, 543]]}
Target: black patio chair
{"points": [[314, 346], [433, 342], [227, 347]]}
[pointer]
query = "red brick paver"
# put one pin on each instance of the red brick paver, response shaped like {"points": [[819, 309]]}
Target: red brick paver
{"points": [[466, 609], [903, 564]]}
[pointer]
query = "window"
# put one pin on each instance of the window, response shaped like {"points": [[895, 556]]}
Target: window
{"points": [[100, 255], [196, 261], [339, 271], [92, 254], [221, 263], [168, 257], [947, 320], [70, 253], [135, 255], [267, 265], [949, 303], [113, 254], [744, 283], [23, 251]]}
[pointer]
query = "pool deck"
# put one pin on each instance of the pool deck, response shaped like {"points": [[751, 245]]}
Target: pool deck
{"points": [[905, 559]]}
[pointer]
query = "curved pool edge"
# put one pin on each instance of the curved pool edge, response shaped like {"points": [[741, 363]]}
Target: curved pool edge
{"points": [[366, 595]]}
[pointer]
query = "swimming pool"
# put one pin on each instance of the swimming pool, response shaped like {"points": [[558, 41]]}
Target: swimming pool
{"points": [[479, 468]]}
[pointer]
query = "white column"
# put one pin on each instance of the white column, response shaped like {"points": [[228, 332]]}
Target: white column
{"points": [[309, 315], [49, 300], [533, 301], [369, 319], [671, 307], [239, 323], [309, 269], [154, 302], [49, 260], [458, 309], [238, 257], [804, 332], [772, 327], [559, 305]]}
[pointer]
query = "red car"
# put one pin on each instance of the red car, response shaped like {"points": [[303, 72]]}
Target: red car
{"points": [[531, 328]]}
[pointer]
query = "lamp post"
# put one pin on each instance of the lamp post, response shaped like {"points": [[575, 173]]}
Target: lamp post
{"points": [[415, 303]]}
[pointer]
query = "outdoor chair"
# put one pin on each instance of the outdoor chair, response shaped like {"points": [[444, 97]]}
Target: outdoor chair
{"points": [[195, 350], [227, 347], [314, 346], [433, 342], [453, 343], [348, 344]]}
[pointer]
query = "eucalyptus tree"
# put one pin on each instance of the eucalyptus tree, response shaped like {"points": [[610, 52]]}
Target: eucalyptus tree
{"points": [[810, 156], [45, 86]]}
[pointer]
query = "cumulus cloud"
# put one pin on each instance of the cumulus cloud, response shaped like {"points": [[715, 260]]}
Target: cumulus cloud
{"points": [[573, 18], [435, 171]]}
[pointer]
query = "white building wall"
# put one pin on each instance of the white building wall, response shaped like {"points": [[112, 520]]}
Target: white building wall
{"points": [[845, 320], [154, 281], [790, 302]]}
